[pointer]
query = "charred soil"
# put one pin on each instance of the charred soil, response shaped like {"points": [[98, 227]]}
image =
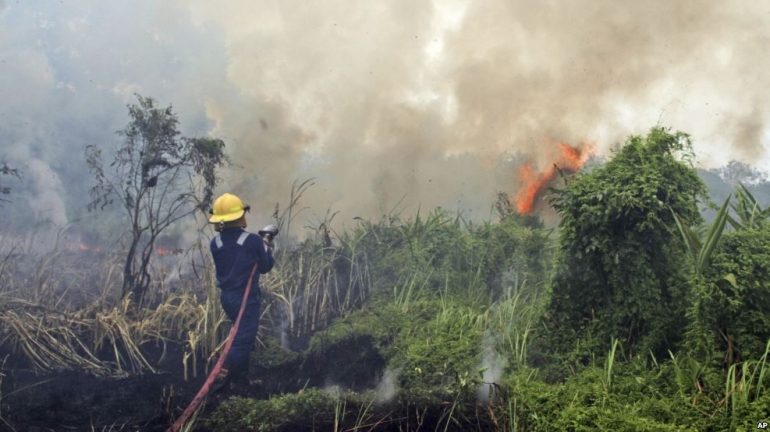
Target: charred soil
{"points": [[79, 401]]}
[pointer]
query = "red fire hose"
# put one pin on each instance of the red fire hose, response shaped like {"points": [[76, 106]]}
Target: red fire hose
{"points": [[217, 367]]}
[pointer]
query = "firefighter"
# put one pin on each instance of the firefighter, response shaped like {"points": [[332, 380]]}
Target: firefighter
{"points": [[235, 252]]}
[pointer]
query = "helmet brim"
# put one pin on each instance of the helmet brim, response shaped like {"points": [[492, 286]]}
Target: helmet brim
{"points": [[229, 217]]}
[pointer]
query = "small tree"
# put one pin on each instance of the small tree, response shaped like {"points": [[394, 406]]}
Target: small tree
{"points": [[157, 177]]}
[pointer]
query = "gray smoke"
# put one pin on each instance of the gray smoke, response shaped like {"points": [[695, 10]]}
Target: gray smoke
{"points": [[420, 101], [493, 364], [387, 387]]}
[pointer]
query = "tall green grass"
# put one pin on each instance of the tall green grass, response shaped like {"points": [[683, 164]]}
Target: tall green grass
{"points": [[745, 382]]}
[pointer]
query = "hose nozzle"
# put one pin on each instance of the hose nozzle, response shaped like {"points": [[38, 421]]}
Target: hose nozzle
{"points": [[269, 232]]}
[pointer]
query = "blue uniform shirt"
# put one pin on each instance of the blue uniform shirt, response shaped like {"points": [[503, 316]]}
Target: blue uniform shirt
{"points": [[234, 262]]}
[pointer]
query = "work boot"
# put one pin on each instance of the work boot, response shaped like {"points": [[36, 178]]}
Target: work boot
{"points": [[239, 375]]}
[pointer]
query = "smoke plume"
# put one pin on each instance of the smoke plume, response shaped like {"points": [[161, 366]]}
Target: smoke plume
{"points": [[387, 387], [493, 364], [419, 103]]}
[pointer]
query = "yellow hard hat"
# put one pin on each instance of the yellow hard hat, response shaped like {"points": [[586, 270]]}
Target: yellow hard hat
{"points": [[227, 207]]}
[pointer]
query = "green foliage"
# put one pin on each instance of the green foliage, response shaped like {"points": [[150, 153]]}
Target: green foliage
{"points": [[444, 251], [516, 245], [432, 346], [729, 319], [288, 412], [274, 355], [699, 250], [514, 318], [637, 401], [438, 295], [442, 354], [747, 208], [619, 268], [435, 344], [432, 330], [383, 322], [206, 155]]}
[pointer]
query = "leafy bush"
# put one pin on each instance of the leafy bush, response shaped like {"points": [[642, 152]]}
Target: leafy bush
{"points": [[288, 412], [584, 402], [731, 321], [619, 270]]}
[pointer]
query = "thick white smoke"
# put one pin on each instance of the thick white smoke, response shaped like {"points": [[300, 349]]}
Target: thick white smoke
{"points": [[383, 97], [378, 101]]}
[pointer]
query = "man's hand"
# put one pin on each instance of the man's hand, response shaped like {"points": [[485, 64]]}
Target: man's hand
{"points": [[269, 233], [268, 239]]}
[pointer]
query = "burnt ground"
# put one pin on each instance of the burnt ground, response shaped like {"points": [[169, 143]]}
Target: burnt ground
{"points": [[78, 401]]}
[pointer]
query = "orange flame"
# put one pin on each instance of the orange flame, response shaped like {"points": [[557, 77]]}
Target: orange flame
{"points": [[71, 246], [570, 159], [163, 251]]}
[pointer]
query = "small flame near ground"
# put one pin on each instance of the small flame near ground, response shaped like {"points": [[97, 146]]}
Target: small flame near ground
{"points": [[568, 159], [74, 246]]}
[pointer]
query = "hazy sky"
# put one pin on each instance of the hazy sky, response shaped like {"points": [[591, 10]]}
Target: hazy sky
{"points": [[378, 100]]}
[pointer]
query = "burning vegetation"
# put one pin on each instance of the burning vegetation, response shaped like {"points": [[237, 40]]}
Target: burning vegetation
{"points": [[629, 312], [430, 322], [534, 184]]}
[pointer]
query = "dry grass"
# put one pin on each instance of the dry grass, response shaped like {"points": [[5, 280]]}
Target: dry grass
{"points": [[50, 317], [61, 309], [97, 339]]}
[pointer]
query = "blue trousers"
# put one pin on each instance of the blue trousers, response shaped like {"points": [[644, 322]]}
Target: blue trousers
{"points": [[243, 342]]}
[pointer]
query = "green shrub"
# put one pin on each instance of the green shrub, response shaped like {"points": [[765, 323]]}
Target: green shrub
{"points": [[620, 266], [443, 354], [730, 321], [635, 402], [307, 410]]}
